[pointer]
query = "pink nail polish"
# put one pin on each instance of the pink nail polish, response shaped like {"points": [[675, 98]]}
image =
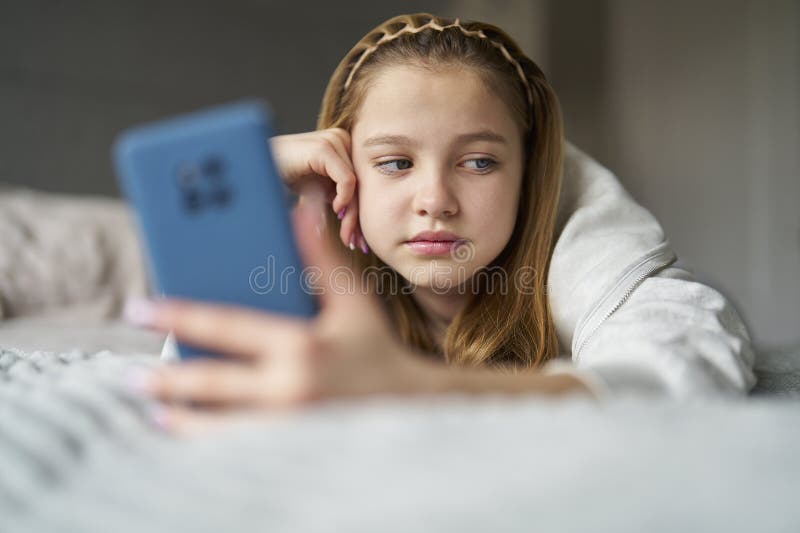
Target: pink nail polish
{"points": [[340, 214], [363, 245], [139, 311], [139, 381]]}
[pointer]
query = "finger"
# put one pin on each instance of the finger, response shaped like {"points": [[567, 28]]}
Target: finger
{"points": [[185, 421], [206, 382], [328, 163], [340, 140], [344, 194], [318, 251], [344, 136], [286, 381], [362, 241], [359, 240], [218, 328], [339, 145], [349, 227], [344, 188]]}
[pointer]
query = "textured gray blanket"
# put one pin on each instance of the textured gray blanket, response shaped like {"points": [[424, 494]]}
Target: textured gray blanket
{"points": [[78, 453]]}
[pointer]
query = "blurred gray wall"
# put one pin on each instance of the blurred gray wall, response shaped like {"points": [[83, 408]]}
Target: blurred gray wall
{"points": [[696, 106], [74, 73], [693, 104]]}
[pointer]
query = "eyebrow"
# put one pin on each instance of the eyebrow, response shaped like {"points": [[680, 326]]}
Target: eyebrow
{"points": [[483, 135]]}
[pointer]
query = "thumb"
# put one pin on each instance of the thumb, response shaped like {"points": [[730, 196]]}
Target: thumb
{"points": [[337, 279]]}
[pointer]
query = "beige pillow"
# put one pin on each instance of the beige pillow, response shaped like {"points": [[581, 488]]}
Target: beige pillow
{"points": [[76, 256]]}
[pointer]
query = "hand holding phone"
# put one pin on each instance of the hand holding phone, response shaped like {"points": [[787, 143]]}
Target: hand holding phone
{"points": [[213, 210]]}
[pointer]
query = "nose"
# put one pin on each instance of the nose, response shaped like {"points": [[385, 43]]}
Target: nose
{"points": [[434, 197]]}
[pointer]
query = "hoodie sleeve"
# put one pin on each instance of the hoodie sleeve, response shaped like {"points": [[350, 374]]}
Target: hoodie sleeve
{"points": [[672, 337], [628, 319]]}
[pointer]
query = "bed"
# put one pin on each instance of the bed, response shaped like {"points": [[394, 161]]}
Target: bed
{"points": [[79, 451]]}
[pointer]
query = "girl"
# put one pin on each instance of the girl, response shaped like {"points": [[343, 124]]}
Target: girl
{"points": [[485, 252]]}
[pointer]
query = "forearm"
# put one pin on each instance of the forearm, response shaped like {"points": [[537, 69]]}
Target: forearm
{"points": [[441, 379]]}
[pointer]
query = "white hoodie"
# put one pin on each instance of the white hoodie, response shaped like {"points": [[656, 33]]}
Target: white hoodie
{"points": [[627, 317], [629, 320]]}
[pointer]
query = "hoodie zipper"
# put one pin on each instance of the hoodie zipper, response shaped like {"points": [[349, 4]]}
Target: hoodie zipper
{"points": [[656, 259]]}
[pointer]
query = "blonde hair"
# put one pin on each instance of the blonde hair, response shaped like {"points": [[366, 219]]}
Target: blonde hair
{"points": [[512, 330]]}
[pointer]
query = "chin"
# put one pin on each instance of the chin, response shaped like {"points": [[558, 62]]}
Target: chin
{"points": [[438, 276]]}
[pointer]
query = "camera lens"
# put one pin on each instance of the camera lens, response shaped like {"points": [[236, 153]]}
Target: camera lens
{"points": [[213, 167]]}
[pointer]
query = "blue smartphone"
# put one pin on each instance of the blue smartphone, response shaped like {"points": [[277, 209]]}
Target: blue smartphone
{"points": [[213, 211]]}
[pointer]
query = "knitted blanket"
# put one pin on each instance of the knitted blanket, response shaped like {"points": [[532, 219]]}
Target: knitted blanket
{"points": [[79, 453]]}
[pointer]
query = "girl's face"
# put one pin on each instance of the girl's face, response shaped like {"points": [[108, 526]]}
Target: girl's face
{"points": [[436, 151]]}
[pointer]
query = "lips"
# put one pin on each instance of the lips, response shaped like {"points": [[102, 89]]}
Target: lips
{"points": [[434, 242], [435, 236]]}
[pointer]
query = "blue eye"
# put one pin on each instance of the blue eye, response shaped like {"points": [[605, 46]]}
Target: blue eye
{"points": [[483, 163], [403, 164]]}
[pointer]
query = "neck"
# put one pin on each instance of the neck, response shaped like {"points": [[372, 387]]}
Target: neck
{"points": [[439, 309]]}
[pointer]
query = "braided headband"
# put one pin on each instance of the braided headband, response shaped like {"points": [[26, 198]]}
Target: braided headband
{"points": [[435, 26]]}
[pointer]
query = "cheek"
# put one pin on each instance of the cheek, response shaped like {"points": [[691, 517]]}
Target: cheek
{"points": [[494, 210], [377, 210]]}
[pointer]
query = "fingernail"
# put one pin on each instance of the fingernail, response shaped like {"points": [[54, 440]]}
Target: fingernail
{"points": [[139, 381], [341, 213], [363, 245], [352, 242], [139, 311]]}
